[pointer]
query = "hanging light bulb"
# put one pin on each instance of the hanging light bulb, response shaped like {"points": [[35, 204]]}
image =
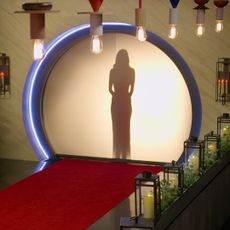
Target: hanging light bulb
{"points": [[141, 34], [219, 26], [200, 21], [220, 4], [96, 31], [37, 11], [139, 21], [39, 49], [96, 45], [200, 30], [173, 18], [200, 16]]}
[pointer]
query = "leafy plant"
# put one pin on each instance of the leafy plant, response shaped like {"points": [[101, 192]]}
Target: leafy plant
{"points": [[225, 146], [191, 174], [169, 193]]}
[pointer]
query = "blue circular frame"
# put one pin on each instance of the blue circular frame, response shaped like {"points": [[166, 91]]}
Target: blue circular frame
{"points": [[40, 70]]}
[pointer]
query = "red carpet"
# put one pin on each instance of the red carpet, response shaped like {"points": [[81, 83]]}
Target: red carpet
{"points": [[70, 194]]}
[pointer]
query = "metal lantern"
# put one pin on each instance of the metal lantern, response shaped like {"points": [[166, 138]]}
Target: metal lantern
{"points": [[4, 75], [147, 202], [223, 80], [194, 152], [212, 143], [223, 125], [174, 174], [212, 147]]}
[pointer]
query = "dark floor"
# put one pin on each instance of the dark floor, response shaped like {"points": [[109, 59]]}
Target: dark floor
{"points": [[12, 171]]}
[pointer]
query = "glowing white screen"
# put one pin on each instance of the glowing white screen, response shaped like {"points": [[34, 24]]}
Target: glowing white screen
{"points": [[77, 102]]}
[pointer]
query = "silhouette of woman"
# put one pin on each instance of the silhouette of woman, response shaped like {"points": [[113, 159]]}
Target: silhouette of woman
{"points": [[121, 86]]}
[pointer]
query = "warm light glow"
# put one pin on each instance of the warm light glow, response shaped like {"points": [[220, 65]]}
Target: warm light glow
{"points": [[39, 49], [172, 31], [200, 30], [141, 34], [219, 25], [96, 45]]}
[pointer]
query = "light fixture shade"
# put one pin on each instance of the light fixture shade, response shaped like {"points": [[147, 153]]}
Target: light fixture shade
{"points": [[173, 16], [96, 4], [200, 16], [220, 3], [37, 25], [201, 2], [219, 13], [96, 27], [139, 17]]}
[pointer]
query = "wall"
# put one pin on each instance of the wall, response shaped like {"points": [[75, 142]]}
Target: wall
{"points": [[200, 53]]}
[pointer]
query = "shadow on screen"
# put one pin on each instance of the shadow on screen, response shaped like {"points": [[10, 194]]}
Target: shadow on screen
{"points": [[121, 86]]}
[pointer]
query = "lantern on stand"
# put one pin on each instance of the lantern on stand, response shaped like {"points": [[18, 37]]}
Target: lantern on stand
{"points": [[174, 174], [212, 147], [194, 153], [147, 202], [223, 126], [223, 80], [4, 75]]}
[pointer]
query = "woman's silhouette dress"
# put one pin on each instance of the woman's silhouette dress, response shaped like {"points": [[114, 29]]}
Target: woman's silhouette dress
{"points": [[121, 86]]}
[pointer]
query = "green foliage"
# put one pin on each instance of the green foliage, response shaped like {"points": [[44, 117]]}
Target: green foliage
{"points": [[191, 174], [169, 193], [210, 160], [225, 146]]}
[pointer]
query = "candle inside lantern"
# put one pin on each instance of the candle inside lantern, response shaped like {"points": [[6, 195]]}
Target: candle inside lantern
{"points": [[212, 148], [194, 161], [173, 181], [226, 131], [2, 79], [148, 206]]}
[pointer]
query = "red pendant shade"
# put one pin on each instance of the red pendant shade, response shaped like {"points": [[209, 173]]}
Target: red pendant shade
{"points": [[201, 2], [220, 3], [96, 4]]}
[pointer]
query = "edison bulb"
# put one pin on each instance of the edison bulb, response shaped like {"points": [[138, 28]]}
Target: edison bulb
{"points": [[96, 45], [141, 34], [200, 30], [172, 31], [219, 25], [39, 49]]}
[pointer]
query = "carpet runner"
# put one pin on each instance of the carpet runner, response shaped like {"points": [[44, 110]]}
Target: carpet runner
{"points": [[70, 194]]}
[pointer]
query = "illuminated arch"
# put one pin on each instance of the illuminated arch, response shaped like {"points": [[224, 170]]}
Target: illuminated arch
{"points": [[40, 70]]}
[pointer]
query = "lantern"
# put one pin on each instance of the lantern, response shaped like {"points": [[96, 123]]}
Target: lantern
{"points": [[4, 75], [223, 80], [223, 126], [194, 153], [147, 202], [174, 174], [212, 147]]}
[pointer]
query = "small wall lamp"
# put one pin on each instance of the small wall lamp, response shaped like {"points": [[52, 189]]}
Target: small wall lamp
{"points": [[4, 75]]}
